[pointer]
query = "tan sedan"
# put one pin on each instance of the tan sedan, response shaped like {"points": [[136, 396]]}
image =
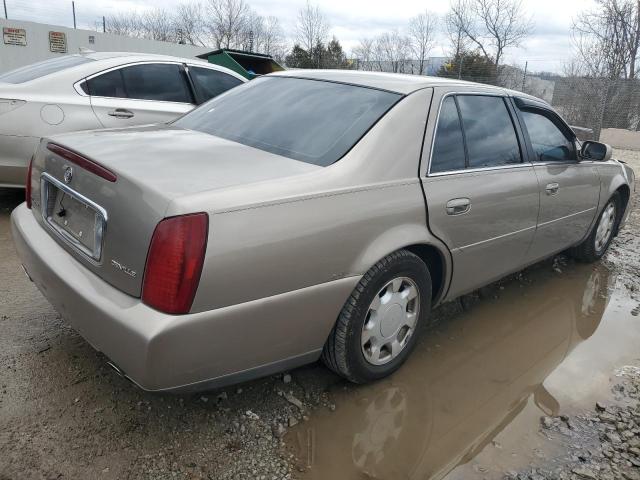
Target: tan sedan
{"points": [[305, 215]]}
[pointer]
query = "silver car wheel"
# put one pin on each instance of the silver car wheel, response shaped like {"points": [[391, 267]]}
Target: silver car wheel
{"points": [[390, 321], [605, 227]]}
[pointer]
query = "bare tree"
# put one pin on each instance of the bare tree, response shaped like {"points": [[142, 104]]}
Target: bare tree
{"points": [[188, 23], [312, 28], [607, 38], [227, 23], [390, 52], [157, 25], [363, 52], [123, 23], [273, 40], [422, 32], [458, 22], [491, 25]]}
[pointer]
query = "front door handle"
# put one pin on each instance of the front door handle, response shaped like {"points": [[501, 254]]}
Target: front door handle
{"points": [[121, 113], [552, 188], [458, 206]]}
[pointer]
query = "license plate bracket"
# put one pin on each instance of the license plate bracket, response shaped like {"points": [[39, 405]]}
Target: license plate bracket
{"points": [[73, 217]]}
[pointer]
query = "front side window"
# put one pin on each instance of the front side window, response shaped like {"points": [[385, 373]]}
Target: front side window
{"points": [[40, 69], [489, 131], [210, 83], [448, 149], [313, 121], [149, 81], [549, 143]]}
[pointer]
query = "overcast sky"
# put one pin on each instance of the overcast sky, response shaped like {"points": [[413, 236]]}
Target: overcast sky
{"points": [[547, 48]]}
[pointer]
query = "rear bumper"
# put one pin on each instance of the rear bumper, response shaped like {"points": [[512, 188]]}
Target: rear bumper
{"points": [[198, 351], [15, 152]]}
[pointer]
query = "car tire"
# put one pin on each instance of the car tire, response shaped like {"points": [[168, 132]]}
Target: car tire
{"points": [[380, 322], [596, 244]]}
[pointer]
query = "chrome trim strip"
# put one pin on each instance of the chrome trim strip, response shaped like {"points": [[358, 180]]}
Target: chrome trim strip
{"points": [[96, 254], [566, 216], [481, 169], [496, 238]]}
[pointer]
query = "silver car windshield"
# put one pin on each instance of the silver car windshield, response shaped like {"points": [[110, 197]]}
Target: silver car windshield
{"points": [[308, 120], [40, 69]]}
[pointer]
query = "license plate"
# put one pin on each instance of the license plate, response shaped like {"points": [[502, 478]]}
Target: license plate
{"points": [[73, 217]]}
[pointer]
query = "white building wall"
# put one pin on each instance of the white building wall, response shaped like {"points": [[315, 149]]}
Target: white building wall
{"points": [[37, 48]]}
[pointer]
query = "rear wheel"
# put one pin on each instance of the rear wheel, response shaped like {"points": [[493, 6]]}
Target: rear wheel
{"points": [[378, 325], [596, 244]]}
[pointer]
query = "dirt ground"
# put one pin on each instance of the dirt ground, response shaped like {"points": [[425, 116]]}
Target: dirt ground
{"points": [[504, 383]]}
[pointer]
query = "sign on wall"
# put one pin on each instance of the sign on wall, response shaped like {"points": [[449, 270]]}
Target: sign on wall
{"points": [[58, 42], [14, 36]]}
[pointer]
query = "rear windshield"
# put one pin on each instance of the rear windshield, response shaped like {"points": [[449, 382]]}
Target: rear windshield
{"points": [[40, 69], [309, 120]]}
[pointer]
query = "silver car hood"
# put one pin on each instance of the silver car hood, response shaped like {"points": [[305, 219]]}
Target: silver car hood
{"points": [[174, 162]]}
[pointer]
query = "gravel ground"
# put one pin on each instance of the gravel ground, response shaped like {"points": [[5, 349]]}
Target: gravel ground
{"points": [[65, 414]]}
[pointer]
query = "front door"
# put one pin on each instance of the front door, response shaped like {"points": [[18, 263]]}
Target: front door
{"points": [[482, 198], [569, 189]]}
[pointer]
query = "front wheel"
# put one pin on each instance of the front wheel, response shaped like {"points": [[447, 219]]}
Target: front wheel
{"points": [[378, 325], [596, 244]]}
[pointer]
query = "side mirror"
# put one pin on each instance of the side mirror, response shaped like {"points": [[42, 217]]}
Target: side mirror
{"points": [[595, 151]]}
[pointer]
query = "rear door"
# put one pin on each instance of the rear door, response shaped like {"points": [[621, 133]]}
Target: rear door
{"points": [[140, 94], [482, 197], [569, 189]]}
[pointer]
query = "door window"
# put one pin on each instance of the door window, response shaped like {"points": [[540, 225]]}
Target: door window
{"points": [[448, 149], [210, 83], [108, 84], [489, 132], [149, 81], [549, 143], [156, 81]]}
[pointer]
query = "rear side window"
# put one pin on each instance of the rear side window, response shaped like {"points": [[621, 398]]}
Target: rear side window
{"points": [[308, 120], [153, 81], [210, 83], [448, 149], [40, 69], [549, 143], [489, 131], [108, 84]]}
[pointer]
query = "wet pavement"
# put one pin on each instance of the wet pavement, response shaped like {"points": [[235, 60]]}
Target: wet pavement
{"points": [[475, 389]]}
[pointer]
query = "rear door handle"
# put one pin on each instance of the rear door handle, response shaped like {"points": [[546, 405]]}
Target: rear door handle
{"points": [[458, 206], [552, 188], [121, 113]]}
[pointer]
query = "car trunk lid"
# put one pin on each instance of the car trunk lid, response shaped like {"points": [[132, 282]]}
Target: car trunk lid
{"points": [[109, 224]]}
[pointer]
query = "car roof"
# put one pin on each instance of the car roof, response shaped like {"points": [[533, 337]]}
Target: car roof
{"points": [[136, 56], [394, 82]]}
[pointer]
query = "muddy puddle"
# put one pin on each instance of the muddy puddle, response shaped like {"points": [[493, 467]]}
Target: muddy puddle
{"points": [[468, 402]]}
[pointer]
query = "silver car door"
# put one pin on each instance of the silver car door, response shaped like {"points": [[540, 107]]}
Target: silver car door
{"points": [[140, 94], [482, 198], [569, 189]]}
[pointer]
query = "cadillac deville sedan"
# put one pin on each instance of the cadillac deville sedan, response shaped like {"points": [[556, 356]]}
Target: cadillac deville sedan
{"points": [[305, 215]]}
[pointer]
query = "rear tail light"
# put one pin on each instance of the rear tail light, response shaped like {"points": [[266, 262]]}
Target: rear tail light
{"points": [[174, 263], [82, 162], [27, 186]]}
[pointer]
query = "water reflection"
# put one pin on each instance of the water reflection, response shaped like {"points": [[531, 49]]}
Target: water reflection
{"points": [[463, 384]]}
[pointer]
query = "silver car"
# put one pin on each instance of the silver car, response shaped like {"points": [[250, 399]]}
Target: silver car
{"points": [[97, 90], [305, 215]]}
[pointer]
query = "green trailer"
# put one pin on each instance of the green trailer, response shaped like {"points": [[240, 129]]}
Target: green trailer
{"points": [[247, 64]]}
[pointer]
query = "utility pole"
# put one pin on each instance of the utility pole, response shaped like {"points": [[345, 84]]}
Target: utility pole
{"points": [[104, 25], [524, 76], [73, 7], [459, 67], [5, 9]]}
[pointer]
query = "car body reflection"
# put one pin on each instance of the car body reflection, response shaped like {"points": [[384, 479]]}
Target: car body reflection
{"points": [[450, 400]]}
